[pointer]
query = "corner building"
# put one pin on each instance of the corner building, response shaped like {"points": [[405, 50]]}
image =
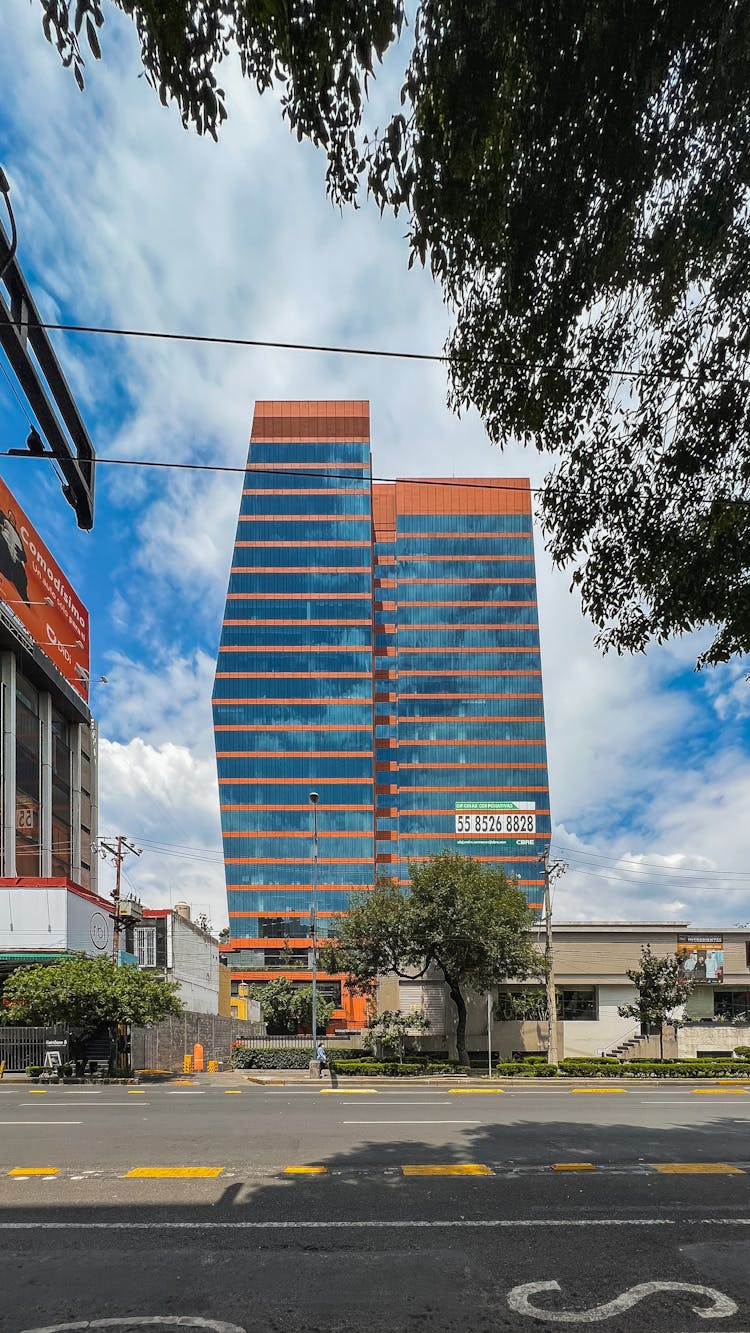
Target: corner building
{"points": [[381, 646]]}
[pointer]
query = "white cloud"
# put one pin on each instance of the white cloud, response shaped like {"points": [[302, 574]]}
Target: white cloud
{"points": [[149, 226]]}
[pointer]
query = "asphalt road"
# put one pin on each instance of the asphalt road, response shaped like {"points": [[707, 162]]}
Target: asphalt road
{"points": [[368, 1243]]}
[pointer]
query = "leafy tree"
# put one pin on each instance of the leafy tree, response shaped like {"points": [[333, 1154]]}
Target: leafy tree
{"points": [[87, 995], [660, 989], [224, 935], [303, 1009], [287, 1007], [465, 919], [392, 1029], [575, 175]]}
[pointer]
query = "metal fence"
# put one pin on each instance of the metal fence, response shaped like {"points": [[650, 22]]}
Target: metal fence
{"points": [[267, 1043], [20, 1047]]}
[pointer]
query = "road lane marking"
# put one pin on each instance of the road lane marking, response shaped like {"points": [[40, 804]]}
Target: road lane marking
{"points": [[233, 1092], [93, 1108], [720, 1092], [305, 1170], [194, 1093], [411, 1122], [456, 1169], [598, 1092], [347, 1092], [37, 1092], [173, 1173], [136, 1092], [393, 1224], [477, 1092], [721, 1306], [34, 1171], [141, 1321], [573, 1166], [3, 1123], [696, 1169]]}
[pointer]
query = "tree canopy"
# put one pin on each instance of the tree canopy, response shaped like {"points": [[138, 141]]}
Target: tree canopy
{"points": [[286, 1007], [87, 994], [577, 176], [463, 920]]}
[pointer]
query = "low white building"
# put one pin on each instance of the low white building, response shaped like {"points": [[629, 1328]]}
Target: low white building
{"points": [[591, 961], [46, 920], [166, 940]]}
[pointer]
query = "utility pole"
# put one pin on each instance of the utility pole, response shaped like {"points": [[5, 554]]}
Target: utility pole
{"points": [[550, 869], [314, 923], [118, 852]]}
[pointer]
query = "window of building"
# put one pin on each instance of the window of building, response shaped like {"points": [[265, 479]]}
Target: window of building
{"points": [[578, 1004], [732, 1004], [61, 802], [28, 783], [145, 945]]}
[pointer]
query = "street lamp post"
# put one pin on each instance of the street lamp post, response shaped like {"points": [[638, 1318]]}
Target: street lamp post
{"points": [[314, 922]]}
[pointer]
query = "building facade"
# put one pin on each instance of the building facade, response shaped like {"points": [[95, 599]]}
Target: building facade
{"points": [[380, 646], [591, 964], [48, 759], [165, 940]]}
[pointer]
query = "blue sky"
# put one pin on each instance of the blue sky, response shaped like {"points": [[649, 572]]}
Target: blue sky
{"points": [[126, 219]]}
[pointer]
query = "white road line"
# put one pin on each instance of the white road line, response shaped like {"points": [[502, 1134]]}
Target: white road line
{"points": [[98, 1104], [184, 1094], [411, 1122], [454, 1223], [3, 1123]]}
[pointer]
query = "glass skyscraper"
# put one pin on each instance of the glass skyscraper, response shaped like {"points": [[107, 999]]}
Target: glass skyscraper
{"points": [[381, 647]]}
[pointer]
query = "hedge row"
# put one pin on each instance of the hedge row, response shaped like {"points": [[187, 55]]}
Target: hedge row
{"points": [[253, 1057], [624, 1069]]}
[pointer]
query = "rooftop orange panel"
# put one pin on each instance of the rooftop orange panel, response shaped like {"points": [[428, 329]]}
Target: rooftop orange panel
{"points": [[467, 495], [312, 419]]}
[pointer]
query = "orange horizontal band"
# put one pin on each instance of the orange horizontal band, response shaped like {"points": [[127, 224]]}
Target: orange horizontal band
{"points": [[292, 726]]}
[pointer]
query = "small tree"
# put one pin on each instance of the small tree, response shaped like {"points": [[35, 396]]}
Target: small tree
{"points": [[462, 917], [277, 1000], [303, 1009], [660, 990], [287, 1007], [391, 1029], [87, 995]]}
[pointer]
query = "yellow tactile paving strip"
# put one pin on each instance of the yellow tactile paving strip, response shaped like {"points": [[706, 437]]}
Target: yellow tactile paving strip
{"points": [[455, 1169], [573, 1166], [696, 1169], [499, 1170], [34, 1171], [174, 1173]]}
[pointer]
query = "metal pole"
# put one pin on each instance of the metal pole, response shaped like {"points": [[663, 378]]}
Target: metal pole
{"points": [[549, 959], [116, 900], [314, 923], [489, 1034]]}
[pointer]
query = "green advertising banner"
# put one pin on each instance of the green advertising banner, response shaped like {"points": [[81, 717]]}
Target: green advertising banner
{"points": [[499, 823]]}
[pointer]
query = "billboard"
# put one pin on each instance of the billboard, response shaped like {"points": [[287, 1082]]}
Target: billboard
{"points": [[39, 595], [701, 957], [502, 823]]}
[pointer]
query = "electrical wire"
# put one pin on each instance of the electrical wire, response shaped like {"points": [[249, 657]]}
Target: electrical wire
{"points": [[617, 372], [618, 862], [253, 470]]}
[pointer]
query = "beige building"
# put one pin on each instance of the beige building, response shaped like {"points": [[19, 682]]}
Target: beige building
{"points": [[591, 961]]}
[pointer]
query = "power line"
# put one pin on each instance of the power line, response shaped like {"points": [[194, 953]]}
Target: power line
{"points": [[617, 372], [623, 865], [253, 469]]}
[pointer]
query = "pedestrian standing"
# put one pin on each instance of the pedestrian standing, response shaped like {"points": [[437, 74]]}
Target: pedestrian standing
{"points": [[322, 1058]]}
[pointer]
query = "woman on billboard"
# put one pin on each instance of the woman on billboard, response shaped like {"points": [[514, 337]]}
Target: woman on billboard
{"points": [[13, 555]]}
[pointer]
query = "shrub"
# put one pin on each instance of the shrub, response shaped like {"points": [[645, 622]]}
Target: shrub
{"points": [[252, 1057], [743, 1052]]}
